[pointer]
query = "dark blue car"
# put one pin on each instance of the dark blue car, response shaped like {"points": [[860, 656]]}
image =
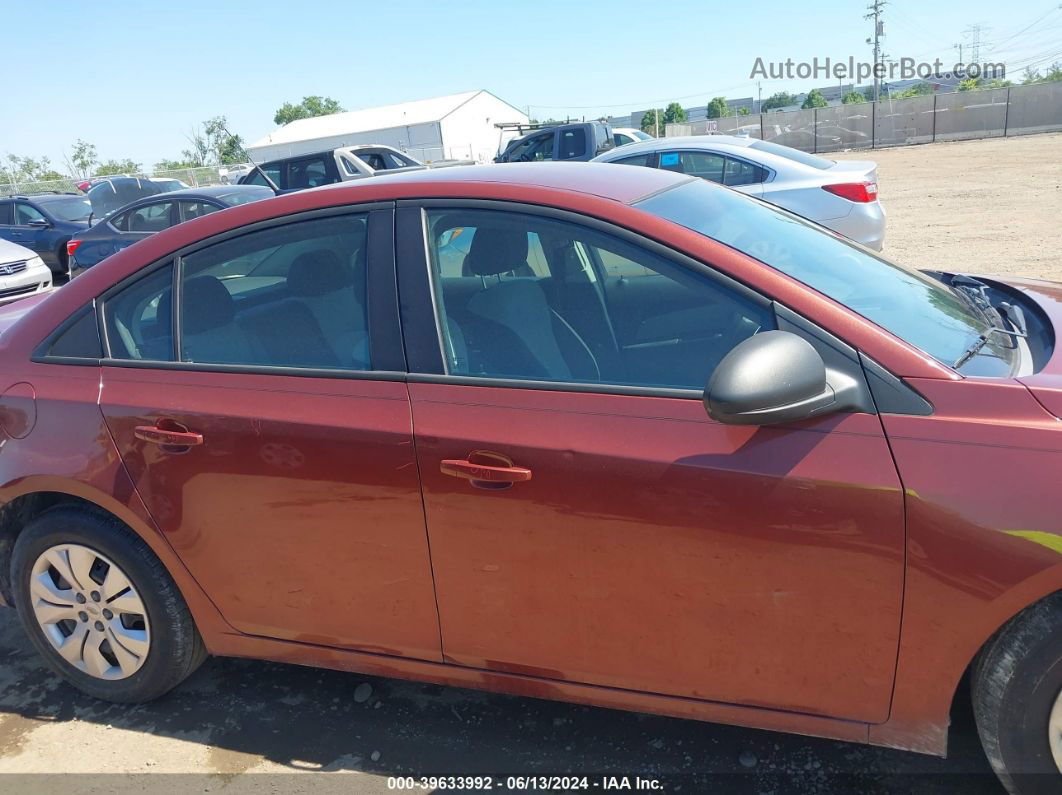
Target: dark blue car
{"points": [[44, 224], [152, 214]]}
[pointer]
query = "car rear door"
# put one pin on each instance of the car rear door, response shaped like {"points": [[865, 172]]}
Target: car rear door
{"points": [[31, 229], [269, 434], [589, 522]]}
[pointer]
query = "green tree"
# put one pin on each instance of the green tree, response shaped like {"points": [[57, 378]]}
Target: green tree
{"points": [[969, 84], [814, 99], [778, 100], [743, 111], [718, 108], [82, 160], [1054, 74], [26, 169], [173, 165], [212, 145], [308, 108], [649, 120], [853, 98], [111, 167], [674, 114]]}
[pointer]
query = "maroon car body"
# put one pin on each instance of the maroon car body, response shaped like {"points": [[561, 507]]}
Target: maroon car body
{"points": [[834, 576]]}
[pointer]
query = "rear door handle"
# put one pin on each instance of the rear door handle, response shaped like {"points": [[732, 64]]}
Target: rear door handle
{"points": [[167, 438], [486, 470]]}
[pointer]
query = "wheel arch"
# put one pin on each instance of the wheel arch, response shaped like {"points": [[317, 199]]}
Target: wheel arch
{"points": [[32, 496]]}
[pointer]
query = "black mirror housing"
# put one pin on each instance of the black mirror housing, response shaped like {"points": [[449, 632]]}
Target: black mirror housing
{"points": [[770, 378]]}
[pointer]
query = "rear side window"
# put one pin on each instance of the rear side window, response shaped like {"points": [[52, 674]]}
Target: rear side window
{"points": [[308, 173], [706, 165], [635, 160], [286, 296], [572, 144], [80, 340], [738, 172], [152, 217], [190, 210], [139, 319]]}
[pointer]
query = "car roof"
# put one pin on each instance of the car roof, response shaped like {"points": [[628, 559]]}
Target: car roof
{"points": [[683, 142], [44, 198], [598, 179]]}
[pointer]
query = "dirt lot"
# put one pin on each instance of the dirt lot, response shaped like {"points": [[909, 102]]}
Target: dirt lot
{"points": [[991, 206], [241, 726]]}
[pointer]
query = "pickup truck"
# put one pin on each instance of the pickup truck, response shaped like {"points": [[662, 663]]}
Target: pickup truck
{"points": [[578, 141], [336, 165]]}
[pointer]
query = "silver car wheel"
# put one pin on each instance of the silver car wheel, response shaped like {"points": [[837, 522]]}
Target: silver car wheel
{"points": [[90, 612], [1054, 731]]}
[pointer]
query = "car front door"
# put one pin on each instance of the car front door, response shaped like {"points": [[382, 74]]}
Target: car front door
{"points": [[588, 522], [272, 441], [31, 230]]}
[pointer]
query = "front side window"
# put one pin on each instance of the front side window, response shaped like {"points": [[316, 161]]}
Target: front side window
{"points": [[906, 302], [706, 165], [286, 296], [256, 177], [538, 147], [7, 214], [152, 217], [547, 300], [24, 213]]}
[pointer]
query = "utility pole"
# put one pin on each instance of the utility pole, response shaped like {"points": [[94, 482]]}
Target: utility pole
{"points": [[759, 97], [875, 9], [959, 48], [656, 122]]}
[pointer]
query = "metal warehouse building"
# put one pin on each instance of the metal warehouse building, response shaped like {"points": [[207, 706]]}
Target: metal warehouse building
{"points": [[457, 126]]}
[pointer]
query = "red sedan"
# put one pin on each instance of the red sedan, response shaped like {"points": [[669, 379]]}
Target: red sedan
{"points": [[608, 435]]}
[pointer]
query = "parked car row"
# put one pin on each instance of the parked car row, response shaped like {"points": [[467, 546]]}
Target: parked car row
{"points": [[841, 195]]}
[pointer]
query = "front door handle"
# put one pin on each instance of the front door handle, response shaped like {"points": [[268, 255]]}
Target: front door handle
{"points": [[485, 470], [166, 437]]}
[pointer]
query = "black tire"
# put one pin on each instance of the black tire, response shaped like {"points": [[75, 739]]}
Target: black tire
{"points": [[1016, 680], [176, 648]]}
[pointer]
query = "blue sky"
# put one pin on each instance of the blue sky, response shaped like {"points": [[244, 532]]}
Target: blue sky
{"points": [[132, 78]]}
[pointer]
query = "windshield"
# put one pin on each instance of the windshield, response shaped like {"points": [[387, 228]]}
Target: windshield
{"points": [[789, 153], [912, 305], [76, 208]]}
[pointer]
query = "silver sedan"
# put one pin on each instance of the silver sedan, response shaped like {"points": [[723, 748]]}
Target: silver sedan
{"points": [[839, 194]]}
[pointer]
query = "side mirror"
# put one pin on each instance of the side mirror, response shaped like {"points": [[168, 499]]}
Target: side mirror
{"points": [[771, 378]]}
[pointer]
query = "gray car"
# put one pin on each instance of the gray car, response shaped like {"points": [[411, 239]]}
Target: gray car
{"points": [[839, 194]]}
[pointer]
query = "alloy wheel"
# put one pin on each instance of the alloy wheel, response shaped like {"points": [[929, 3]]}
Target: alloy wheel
{"points": [[89, 611], [1054, 731]]}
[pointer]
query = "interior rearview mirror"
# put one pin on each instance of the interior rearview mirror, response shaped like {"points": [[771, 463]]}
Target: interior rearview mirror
{"points": [[770, 378]]}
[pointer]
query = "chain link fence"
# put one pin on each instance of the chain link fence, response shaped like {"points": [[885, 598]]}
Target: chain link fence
{"points": [[192, 177], [991, 113]]}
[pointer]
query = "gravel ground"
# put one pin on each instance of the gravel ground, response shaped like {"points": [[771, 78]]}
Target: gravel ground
{"points": [[990, 206], [240, 726]]}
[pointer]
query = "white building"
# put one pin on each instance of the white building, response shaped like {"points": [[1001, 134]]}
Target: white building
{"points": [[457, 126]]}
